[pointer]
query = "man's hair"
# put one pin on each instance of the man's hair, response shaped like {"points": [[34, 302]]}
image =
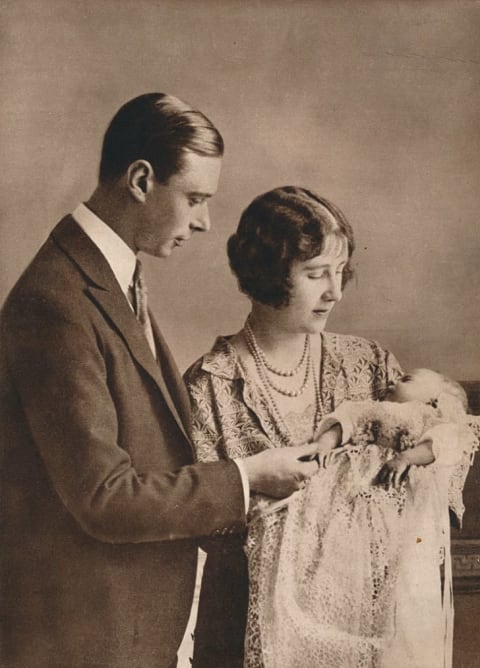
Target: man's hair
{"points": [[158, 128], [280, 227]]}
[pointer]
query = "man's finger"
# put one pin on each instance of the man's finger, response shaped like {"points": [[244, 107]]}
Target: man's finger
{"points": [[308, 468], [305, 451]]}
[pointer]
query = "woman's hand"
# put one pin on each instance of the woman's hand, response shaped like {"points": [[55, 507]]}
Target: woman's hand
{"points": [[393, 472]]}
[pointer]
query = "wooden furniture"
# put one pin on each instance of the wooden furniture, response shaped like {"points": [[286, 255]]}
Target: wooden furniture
{"points": [[466, 561]]}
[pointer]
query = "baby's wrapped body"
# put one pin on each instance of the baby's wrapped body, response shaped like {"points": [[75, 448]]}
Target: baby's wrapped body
{"points": [[347, 574]]}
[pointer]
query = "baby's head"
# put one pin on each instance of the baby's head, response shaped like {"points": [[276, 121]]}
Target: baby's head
{"points": [[426, 386]]}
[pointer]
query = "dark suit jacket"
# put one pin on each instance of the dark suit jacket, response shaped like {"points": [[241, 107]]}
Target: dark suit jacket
{"points": [[100, 500]]}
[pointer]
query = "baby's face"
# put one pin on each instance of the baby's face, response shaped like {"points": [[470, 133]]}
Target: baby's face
{"points": [[419, 385]]}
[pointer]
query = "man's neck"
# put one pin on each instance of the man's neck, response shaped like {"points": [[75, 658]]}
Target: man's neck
{"points": [[113, 207]]}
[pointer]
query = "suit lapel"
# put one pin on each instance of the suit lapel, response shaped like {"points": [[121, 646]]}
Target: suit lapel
{"points": [[105, 291], [172, 376]]}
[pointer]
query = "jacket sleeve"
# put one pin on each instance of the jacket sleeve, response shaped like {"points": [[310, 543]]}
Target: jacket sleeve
{"points": [[58, 370]]}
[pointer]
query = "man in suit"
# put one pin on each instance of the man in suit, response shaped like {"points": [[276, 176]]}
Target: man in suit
{"points": [[102, 504]]}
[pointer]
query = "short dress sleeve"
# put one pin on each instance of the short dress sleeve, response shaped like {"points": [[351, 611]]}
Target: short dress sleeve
{"points": [[206, 436]]}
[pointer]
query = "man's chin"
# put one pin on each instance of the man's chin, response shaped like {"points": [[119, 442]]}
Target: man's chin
{"points": [[161, 253]]}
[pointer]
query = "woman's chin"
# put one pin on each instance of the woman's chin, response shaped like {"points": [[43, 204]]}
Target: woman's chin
{"points": [[318, 326]]}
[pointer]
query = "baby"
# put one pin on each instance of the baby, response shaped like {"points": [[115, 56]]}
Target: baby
{"points": [[357, 579], [419, 432]]}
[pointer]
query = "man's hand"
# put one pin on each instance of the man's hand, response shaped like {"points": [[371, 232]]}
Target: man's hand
{"points": [[281, 471], [326, 445]]}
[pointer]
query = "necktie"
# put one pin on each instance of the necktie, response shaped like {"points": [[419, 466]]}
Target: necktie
{"points": [[140, 305]]}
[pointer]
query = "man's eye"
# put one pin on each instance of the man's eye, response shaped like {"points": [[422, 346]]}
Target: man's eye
{"points": [[406, 378], [193, 201]]}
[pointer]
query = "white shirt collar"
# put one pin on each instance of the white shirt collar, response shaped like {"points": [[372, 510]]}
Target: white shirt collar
{"points": [[119, 256]]}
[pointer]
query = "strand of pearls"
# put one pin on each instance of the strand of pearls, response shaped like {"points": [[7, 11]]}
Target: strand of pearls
{"points": [[318, 399], [258, 358], [268, 386], [280, 422], [286, 373]]}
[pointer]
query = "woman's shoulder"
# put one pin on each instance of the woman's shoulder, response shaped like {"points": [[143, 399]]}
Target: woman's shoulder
{"points": [[221, 360], [350, 344], [362, 361]]}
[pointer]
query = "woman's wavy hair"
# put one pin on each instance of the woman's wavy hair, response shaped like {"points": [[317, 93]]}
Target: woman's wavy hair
{"points": [[280, 227]]}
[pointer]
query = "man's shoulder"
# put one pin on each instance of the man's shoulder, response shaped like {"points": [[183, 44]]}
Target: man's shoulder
{"points": [[51, 278]]}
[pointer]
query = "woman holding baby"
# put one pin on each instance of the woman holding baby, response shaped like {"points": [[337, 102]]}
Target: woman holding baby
{"points": [[322, 571]]}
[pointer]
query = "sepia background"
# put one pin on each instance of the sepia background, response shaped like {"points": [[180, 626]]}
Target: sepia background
{"points": [[372, 104]]}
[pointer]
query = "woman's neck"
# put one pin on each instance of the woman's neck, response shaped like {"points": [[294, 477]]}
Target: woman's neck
{"points": [[279, 344]]}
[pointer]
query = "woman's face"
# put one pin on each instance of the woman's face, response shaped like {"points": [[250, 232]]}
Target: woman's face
{"points": [[316, 288]]}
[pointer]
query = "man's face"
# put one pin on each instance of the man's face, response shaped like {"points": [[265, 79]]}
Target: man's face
{"points": [[173, 211]]}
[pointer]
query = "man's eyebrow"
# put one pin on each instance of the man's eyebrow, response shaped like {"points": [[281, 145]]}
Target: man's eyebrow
{"points": [[197, 193]]}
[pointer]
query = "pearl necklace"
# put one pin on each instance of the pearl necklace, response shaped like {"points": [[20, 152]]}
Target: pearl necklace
{"points": [[259, 359], [267, 384], [286, 373]]}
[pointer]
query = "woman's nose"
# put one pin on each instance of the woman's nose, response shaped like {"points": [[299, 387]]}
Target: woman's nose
{"points": [[334, 291]]}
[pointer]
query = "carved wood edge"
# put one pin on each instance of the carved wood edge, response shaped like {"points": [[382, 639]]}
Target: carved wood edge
{"points": [[466, 565]]}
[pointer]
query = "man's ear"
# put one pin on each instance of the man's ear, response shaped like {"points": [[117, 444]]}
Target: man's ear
{"points": [[140, 179]]}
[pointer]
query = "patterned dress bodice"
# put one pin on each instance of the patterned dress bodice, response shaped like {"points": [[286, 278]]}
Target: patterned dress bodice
{"points": [[231, 416]]}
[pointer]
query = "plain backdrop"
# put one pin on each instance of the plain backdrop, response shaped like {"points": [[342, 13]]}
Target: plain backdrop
{"points": [[373, 104]]}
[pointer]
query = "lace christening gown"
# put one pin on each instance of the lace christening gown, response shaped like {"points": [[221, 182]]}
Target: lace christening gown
{"points": [[355, 580]]}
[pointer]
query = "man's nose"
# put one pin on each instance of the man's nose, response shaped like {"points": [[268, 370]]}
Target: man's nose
{"points": [[201, 222]]}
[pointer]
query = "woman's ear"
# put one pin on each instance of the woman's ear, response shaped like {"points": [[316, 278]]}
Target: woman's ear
{"points": [[140, 179]]}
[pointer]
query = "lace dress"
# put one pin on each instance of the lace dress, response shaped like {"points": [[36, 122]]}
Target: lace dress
{"points": [[231, 417], [356, 581], [334, 570]]}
